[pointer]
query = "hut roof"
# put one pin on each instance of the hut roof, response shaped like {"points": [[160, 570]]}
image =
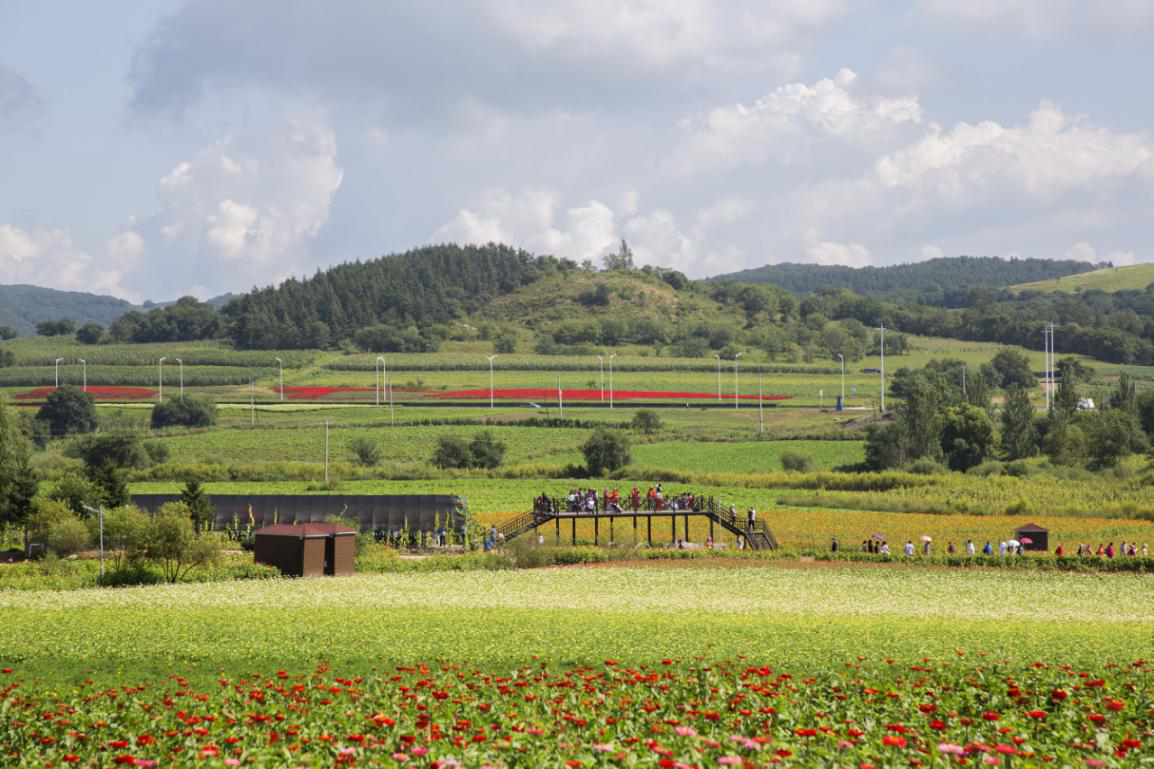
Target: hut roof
{"points": [[1030, 527], [305, 530]]}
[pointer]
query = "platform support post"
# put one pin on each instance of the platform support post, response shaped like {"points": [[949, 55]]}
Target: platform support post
{"points": [[574, 521], [596, 528], [649, 529]]}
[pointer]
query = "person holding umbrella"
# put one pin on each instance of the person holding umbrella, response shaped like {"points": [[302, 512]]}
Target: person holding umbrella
{"points": [[926, 544]]}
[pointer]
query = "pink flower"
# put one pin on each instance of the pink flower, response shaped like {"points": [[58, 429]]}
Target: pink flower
{"points": [[991, 760], [231, 762], [843, 744], [685, 731], [1094, 762], [145, 762], [418, 752], [729, 761], [602, 748], [400, 758], [951, 748]]}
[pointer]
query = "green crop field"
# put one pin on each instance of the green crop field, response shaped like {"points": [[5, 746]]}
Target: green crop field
{"points": [[569, 615], [1130, 278]]}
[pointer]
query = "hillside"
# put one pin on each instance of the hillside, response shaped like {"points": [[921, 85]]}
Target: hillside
{"points": [[932, 274], [23, 306], [1133, 278]]}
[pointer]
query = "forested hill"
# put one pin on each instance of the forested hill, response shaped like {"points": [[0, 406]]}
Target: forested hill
{"points": [[931, 275], [406, 295], [22, 307]]}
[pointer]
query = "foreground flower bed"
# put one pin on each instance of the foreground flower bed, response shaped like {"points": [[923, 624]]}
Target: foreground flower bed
{"points": [[672, 714]]}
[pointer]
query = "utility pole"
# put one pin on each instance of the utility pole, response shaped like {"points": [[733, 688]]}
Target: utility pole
{"points": [[963, 381], [611, 357], [280, 363], [178, 360], [601, 364], [735, 357], [882, 380], [377, 381], [716, 355], [382, 367], [84, 373], [252, 402], [58, 372], [491, 358], [560, 400], [160, 375]]}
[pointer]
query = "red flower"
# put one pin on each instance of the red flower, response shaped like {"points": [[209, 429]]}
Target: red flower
{"points": [[892, 740], [1040, 715]]}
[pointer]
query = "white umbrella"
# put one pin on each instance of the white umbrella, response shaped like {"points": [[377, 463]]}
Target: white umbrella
{"points": [[1013, 542], [926, 539]]}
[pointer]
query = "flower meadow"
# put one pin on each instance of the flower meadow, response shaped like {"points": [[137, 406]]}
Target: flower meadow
{"points": [[672, 714]]}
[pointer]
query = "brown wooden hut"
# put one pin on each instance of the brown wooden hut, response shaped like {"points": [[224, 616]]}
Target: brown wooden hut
{"points": [[307, 549], [1038, 536]]}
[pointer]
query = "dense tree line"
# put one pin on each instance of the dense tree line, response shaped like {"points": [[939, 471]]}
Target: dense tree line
{"points": [[945, 415], [185, 320], [933, 274], [409, 293]]}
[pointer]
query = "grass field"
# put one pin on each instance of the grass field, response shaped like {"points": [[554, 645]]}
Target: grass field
{"points": [[1130, 278], [774, 615]]}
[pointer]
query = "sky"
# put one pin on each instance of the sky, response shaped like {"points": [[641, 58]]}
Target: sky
{"points": [[155, 148]]}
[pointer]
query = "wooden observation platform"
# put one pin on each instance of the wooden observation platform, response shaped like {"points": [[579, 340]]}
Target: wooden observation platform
{"points": [[757, 536]]}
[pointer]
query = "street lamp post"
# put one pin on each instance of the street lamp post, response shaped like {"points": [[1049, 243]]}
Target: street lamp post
{"points": [[181, 363], [560, 399], [760, 412], [490, 358], [99, 512], [84, 373], [280, 364], [58, 371], [160, 377], [718, 356], [382, 373], [735, 357], [882, 376], [611, 357], [601, 365]]}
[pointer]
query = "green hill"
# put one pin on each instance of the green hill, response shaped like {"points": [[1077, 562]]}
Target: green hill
{"points": [[1133, 278], [933, 274], [23, 306]]}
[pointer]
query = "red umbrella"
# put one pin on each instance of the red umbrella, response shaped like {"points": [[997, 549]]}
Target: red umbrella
{"points": [[1026, 541]]}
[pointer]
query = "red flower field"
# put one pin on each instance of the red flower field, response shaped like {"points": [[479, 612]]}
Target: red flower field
{"points": [[544, 396], [671, 714], [99, 392]]}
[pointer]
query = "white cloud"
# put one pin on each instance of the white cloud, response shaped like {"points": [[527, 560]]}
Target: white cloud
{"points": [[244, 207], [1084, 252], [1048, 18], [931, 251], [530, 220], [784, 123], [828, 252], [50, 258], [1052, 154]]}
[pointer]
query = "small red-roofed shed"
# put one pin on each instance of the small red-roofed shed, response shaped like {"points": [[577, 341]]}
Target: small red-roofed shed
{"points": [[307, 549], [1038, 536]]}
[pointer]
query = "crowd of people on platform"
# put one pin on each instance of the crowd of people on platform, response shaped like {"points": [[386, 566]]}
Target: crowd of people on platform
{"points": [[880, 546], [613, 501]]}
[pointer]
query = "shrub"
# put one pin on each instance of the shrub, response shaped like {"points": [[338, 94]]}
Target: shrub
{"points": [[67, 536], [68, 410], [120, 449], [174, 546], [605, 451], [926, 467], [90, 333], [796, 461], [157, 452], [184, 412], [76, 491], [365, 451], [486, 451], [646, 421]]}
